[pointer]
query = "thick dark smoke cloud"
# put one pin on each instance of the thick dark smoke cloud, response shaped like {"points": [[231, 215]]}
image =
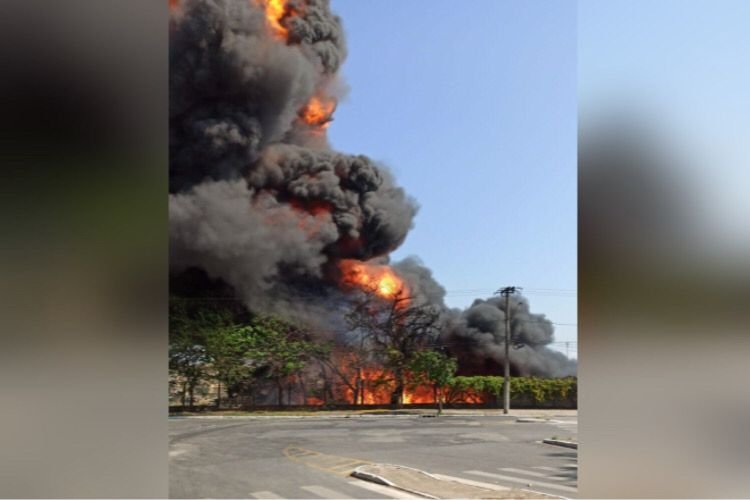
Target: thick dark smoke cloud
{"points": [[318, 32], [235, 88], [477, 334], [371, 214], [481, 329], [259, 199], [422, 285]]}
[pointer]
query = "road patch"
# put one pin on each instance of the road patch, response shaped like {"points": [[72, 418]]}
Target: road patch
{"points": [[333, 464]]}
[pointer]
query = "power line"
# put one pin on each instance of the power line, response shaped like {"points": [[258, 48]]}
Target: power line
{"points": [[234, 299], [468, 340], [562, 292], [485, 292], [526, 289]]}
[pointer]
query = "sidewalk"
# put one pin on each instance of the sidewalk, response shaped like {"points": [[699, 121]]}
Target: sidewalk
{"points": [[480, 412], [541, 413]]}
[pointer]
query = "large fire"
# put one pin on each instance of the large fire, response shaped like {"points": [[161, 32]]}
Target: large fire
{"points": [[276, 11], [375, 278], [374, 386], [318, 111]]}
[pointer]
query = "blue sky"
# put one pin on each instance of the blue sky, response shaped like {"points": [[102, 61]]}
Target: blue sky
{"points": [[473, 107]]}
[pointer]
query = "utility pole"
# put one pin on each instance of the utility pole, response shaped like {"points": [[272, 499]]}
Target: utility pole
{"points": [[506, 292]]}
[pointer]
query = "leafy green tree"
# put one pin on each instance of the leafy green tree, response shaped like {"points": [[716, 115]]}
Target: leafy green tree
{"points": [[187, 353], [282, 350], [205, 343], [436, 369], [227, 348], [187, 360]]}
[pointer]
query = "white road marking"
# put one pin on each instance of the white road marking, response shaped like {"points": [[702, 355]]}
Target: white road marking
{"points": [[323, 492], [264, 494], [523, 481], [383, 490], [529, 473], [565, 468]]}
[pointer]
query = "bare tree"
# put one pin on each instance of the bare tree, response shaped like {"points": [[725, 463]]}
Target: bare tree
{"points": [[396, 327], [347, 363]]}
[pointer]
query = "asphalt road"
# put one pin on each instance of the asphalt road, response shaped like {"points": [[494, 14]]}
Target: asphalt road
{"points": [[312, 457]]}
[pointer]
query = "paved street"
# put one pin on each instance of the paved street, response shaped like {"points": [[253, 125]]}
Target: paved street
{"points": [[312, 457]]}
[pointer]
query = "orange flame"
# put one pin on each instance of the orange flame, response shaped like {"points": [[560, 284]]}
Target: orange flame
{"points": [[318, 112], [374, 385], [421, 394], [378, 385], [373, 390], [380, 279], [276, 11]]}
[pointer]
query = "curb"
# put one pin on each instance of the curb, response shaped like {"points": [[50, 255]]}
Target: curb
{"points": [[298, 417], [287, 417], [374, 478], [560, 442]]}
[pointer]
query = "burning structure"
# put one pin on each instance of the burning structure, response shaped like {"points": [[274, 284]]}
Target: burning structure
{"points": [[261, 202]]}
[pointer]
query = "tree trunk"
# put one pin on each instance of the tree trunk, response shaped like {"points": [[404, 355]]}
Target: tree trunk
{"points": [[436, 397], [218, 395], [439, 394], [397, 397], [361, 388], [329, 393], [279, 392], [184, 394], [192, 394], [326, 381]]}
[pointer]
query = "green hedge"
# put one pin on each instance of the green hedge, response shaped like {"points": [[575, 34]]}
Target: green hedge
{"points": [[489, 388]]}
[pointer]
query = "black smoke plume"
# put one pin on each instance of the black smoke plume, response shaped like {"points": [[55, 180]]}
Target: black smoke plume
{"points": [[259, 200], [479, 334]]}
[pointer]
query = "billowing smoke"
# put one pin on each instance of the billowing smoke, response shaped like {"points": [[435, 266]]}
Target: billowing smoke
{"points": [[481, 330], [259, 200], [477, 334], [235, 89]]}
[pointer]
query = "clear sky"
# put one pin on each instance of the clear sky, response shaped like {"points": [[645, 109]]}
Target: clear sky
{"points": [[473, 106]]}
